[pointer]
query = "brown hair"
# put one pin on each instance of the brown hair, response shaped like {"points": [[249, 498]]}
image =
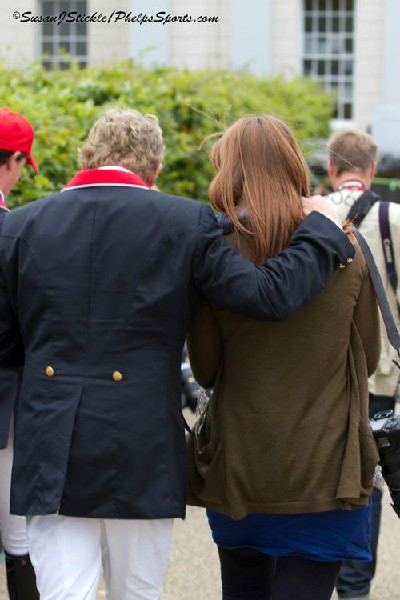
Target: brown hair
{"points": [[352, 150], [261, 171], [5, 156]]}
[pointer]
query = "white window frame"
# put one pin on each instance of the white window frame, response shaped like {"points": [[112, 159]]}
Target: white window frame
{"points": [[56, 37], [319, 58]]}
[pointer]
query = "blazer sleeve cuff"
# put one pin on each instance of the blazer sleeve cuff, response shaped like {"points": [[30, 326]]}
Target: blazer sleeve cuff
{"points": [[345, 250]]}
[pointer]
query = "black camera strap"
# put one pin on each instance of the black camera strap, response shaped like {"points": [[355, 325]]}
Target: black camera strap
{"points": [[387, 315], [361, 207]]}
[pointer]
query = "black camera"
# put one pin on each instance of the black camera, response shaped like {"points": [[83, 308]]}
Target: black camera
{"points": [[385, 427]]}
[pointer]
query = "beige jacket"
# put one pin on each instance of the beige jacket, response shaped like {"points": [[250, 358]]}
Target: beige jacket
{"points": [[385, 379]]}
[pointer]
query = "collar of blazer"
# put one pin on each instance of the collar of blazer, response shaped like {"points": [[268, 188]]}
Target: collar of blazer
{"points": [[113, 176], [3, 202]]}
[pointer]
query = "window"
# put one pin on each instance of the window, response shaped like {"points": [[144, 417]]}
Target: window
{"points": [[63, 43], [328, 51]]}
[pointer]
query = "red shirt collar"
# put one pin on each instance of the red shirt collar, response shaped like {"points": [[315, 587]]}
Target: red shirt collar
{"points": [[102, 177], [352, 185]]}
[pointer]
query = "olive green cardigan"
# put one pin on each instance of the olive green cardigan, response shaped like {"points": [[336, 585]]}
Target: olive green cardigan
{"points": [[287, 427]]}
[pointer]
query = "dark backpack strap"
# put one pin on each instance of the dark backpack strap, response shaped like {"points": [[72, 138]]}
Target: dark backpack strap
{"points": [[388, 319], [361, 207], [387, 247]]}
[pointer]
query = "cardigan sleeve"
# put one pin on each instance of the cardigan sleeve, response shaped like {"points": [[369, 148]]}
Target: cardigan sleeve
{"points": [[205, 346], [366, 318]]}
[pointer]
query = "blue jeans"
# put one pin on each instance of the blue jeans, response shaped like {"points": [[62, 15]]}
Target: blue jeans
{"points": [[355, 576]]}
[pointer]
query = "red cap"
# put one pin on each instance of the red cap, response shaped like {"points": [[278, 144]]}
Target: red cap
{"points": [[16, 134]]}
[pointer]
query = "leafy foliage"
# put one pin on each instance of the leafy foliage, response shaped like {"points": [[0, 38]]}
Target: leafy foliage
{"points": [[63, 105]]}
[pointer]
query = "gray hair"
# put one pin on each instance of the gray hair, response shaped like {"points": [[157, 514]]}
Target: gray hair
{"points": [[126, 138]]}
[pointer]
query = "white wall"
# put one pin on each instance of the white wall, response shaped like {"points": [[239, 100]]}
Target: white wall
{"points": [[199, 45], [151, 42], [17, 40], [108, 42], [250, 35], [369, 59], [391, 74], [286, 37]]}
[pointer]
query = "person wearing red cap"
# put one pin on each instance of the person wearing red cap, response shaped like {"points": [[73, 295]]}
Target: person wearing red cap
{"points": [[16, 139]]}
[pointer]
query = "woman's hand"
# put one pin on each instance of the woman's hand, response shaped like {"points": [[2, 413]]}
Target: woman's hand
{"points": [[321, 205]]}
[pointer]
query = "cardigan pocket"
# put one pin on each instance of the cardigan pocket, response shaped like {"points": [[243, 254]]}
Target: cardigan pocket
{"points": [[205, 459], [204, 469], [206, 432]]}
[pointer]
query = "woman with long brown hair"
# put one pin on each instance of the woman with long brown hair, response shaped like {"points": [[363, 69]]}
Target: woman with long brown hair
{"points": [[284, 458]]}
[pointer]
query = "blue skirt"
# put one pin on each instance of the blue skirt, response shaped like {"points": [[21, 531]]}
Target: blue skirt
{"points": [[324, 536]]}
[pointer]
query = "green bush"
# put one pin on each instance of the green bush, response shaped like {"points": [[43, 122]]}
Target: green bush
{"points": [[62, 106]]}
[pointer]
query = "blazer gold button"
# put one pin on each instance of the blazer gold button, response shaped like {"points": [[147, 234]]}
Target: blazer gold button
{"points": [[49, 371], [117, 376], [342, 266]]}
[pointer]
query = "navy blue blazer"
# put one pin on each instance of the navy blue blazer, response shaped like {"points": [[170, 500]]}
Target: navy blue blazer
{"points": [[9, 385], [98, 287]]}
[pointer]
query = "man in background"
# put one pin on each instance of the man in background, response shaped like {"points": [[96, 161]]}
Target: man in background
{"points": [[16, 139], [352, 163]]}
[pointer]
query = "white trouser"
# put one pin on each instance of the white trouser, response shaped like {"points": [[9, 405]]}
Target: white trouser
{"points": [[13, 528], [67, 552]]}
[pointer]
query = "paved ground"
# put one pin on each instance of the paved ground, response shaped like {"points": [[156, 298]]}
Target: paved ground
{"points": [[193, 572]]}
